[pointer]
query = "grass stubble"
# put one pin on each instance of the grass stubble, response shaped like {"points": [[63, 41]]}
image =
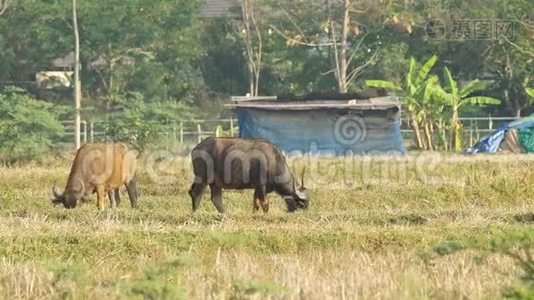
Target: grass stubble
{"points": [[365, 236]]}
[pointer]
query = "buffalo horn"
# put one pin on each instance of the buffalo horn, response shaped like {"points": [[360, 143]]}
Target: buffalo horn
{"points": [[56, 191], [302, 177]]}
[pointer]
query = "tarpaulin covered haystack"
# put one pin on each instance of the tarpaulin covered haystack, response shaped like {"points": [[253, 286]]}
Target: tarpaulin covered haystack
{"points": [[324, 124], [513, 137]]}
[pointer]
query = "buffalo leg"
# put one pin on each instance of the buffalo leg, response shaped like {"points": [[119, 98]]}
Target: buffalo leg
{"points": [[256, 201], [112, 198], [196, 191], [216, 197], [131, 187], [117, 197], [262, 197], [100, 194]]}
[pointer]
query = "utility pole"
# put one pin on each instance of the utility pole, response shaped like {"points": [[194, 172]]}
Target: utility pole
{"points": [[77, 84]]}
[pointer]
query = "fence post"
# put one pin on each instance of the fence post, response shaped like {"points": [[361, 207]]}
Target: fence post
{"points": [[477, 132], [470, 132], [199, 133], [218, 131], [84, 131], [91, 131], [490, 122], [181, 133], [231, 126], [174, 131]]}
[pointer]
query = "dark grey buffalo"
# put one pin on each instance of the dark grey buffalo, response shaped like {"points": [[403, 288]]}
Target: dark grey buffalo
{"points": [[235, 163]]}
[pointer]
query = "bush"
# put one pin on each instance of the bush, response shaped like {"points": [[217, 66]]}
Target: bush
{"points": [[140, 122], [28, 126]]}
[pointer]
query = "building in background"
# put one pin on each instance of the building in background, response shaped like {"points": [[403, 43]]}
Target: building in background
{"points": [[325, 125]]}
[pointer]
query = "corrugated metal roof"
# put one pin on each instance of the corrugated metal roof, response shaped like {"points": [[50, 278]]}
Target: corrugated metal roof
{"points": [[373, 103], [221, 8]]}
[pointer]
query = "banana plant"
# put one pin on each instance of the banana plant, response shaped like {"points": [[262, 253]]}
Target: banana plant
{"points": [[416, 95], [530, 91], [454, 97]]}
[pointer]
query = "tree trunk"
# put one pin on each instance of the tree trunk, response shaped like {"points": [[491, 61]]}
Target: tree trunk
{"points": [[4, 4], [340, 47], [458, 137], [77, 84], [253, 52], [416, 130], [428, 134], [457, 132], [443, 135], [343, 45]]}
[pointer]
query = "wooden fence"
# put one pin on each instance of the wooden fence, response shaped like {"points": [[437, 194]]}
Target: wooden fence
{"points": [[193, 131]]}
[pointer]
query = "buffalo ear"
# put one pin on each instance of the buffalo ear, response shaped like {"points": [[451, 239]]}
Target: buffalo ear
{"points": [[82, 186]]}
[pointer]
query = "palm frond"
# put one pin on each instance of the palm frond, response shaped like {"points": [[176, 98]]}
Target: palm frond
{"points": [[388, 85], [473, 86], [411, 76], [452, 85], [425, 69], [481, 100]]}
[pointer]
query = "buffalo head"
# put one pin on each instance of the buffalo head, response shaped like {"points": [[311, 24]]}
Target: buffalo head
{"points": [[300, 198], [70, 197]]}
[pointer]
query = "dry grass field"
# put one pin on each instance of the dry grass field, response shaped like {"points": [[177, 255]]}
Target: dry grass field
{"points": [[372, 232]]}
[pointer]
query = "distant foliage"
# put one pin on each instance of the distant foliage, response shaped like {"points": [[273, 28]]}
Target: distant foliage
{"points": [[140, 122], [28, 126]]}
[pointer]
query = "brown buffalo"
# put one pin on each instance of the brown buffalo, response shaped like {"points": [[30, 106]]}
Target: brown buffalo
{"points": [[99, 168], [235, 163]]}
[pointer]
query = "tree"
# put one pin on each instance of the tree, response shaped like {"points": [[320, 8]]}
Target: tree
{"points": [[77, 82], [330, 28], [253, 44], [4, 4], [416, 96], [343, 58], [455, 98], [28, 126], [124, 41], [32, 34], [510, 59], [223, 65], [140, 123]]}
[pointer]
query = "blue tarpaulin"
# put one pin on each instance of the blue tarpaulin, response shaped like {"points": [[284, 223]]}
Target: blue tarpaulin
{"points": [[325, 131], [492, 142]]}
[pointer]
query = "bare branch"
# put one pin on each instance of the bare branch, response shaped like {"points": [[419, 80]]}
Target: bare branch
{"points": [[4, 4], [334, 40], [299, 30], [528, 26], [254, 52], [356, 49], [327, 72], [518, 48], [297, 42], [356, 71]]}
